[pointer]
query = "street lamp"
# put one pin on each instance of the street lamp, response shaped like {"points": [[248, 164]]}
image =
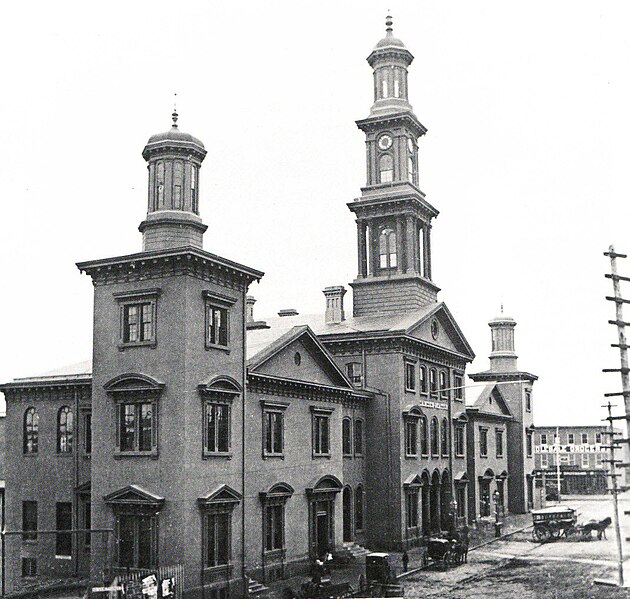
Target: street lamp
{"points": [[497, 525]]}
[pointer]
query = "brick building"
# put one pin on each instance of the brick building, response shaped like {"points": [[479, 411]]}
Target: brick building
{"points": [[581, 452], [500, 439], [243, 448]]}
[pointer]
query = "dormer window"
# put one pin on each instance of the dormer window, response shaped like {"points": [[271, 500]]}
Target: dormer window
{"points": [[387, 249]]}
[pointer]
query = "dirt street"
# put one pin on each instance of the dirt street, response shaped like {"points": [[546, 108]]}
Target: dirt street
{"points": [[519, 567]]}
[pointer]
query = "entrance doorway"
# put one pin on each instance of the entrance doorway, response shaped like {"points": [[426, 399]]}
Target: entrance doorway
{"points": [[347, 515], [322, 527]]}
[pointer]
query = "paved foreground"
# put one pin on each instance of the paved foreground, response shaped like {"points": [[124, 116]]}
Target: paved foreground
{"points": [[519, 567]]}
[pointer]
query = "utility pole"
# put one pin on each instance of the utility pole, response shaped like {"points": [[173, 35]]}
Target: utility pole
{"points": [[613, 443]]}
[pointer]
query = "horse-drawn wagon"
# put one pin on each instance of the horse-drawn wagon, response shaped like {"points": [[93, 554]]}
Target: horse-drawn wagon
{"points": [[561, 521]]}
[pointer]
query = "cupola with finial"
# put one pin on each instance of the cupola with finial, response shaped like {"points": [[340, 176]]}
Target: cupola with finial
{"points": [[174, 159], [390, 60], [503, 356]]}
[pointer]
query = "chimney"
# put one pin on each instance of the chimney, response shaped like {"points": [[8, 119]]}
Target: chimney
{"points": [[288, 312], [334, 304], [250, 323], [250, 301]]}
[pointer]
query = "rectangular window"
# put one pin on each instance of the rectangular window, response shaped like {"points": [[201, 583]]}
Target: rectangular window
{"points": [[396, 88], [217, 427], [483, 442], [530, 449], [424, 436], [459, 387], [137, 540], [412, 508], [528, 400], [544, 460], [598, 438], [411, 437], [217, 527], [274, 527], [137, 317], [29, 566], [585, 461], [584, 438], [423, 379], [63, 540], [570, 438], [273, 432], [217, 331], [29, 520], [543, 439], [137, 427], [321, 434], [599, 459], [459, 441], [87, 433], [499, 441], [354, 372], [410, 376], [137, 323]]}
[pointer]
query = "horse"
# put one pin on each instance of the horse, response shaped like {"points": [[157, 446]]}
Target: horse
{"points": [[599, 525]]}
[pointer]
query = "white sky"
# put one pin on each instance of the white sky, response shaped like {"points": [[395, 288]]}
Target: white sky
{"points": [[527, 154]]}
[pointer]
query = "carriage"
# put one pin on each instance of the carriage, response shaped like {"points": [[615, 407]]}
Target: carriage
{"points": [[448, 550], [554, 522]]}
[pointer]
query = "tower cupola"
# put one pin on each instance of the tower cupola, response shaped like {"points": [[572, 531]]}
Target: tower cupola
{"points": [[174, 159], [390, 60], [503, 356]]}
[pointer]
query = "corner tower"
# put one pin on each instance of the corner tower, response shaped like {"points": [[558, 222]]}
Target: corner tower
{"points": [[174, 159], [393, 217]]}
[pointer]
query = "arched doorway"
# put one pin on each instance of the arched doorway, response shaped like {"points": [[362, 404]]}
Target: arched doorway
{"points": [[435, 502], [347, 515], [321, 506], [485, 499], [445, 501]]}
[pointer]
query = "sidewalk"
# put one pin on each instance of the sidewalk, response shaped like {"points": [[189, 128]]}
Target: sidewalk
{"points": [[483, 532]]}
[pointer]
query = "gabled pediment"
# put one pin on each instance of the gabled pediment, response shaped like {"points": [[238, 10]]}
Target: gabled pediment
{"points": [[133, 382], [224, 494], [299, 355], [438, 327], [413, 480], [278, 491], [134, 495]]}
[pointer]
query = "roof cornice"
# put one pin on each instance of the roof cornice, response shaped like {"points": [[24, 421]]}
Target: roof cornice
{"points": [[184, 260]]}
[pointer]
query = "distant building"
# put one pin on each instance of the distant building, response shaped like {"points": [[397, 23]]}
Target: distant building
{"points": [[581, 452], [500, 429]]}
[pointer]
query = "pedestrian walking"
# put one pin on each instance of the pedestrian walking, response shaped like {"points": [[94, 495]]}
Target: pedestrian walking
{"points": [[405, 560]]}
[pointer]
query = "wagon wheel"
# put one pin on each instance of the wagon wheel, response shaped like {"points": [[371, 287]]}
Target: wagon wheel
{"points": [[541, 534], [452, 557], [556, 533]]}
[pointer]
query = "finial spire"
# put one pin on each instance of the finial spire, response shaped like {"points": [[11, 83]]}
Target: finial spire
{"points": [[175, 116], [388, 24]]}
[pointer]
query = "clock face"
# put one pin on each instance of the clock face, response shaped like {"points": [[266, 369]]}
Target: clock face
{"points": [[410, 145], [385, 142]]}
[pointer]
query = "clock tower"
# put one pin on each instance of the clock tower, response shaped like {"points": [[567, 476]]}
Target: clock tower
{"points": [[393, 216]]}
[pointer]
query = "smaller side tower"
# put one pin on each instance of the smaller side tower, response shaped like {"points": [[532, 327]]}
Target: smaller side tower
{"points": [[174, 159], [516, 388]]}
